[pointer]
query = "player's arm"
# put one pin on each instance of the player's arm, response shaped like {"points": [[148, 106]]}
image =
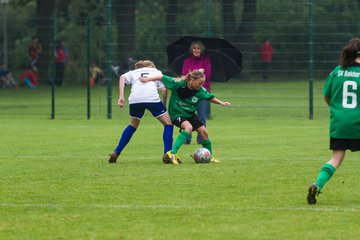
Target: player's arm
{"points": [[148, 79], [121, 90], [327, 100], [164, 95], [217, 101]]}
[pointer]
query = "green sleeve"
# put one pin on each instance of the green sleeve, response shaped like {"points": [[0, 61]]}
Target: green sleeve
{"points": [[205, 94], [328, 84], [169, 82]]}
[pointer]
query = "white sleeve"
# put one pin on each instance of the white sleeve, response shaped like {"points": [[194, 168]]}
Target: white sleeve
{"points": [[129, 77], [158, 72], [159, 84]]}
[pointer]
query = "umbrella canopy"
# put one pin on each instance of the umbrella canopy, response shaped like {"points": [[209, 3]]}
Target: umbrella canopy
{"points": [[226, 59]]}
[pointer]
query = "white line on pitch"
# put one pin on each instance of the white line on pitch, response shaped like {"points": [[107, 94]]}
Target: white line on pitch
{"points": [[126, 206]]}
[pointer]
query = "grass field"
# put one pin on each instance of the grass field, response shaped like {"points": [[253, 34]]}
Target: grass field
{"points": [[56, 182]]}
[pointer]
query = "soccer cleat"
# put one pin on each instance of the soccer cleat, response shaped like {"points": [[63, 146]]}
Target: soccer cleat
{"points": [[178, 159], [214, 160], [166, 159], [313, 194], [113, 157], [170, 158]]}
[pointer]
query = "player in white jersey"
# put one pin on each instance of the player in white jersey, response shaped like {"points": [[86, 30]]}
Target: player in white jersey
{"points": [[143, 96]]}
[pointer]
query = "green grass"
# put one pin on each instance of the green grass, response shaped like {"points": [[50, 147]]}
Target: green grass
{"points": [[253, 99], [56, 182]]}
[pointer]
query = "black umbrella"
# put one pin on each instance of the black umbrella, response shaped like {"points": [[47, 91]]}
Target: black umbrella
{"points": [[226, 59]]}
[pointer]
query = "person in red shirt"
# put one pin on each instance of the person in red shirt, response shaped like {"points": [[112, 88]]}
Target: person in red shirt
{"points": [[34, 51], [265, 54], [28, 77], [60, 61]]}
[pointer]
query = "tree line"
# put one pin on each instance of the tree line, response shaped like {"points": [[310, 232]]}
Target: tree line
{"points": [[142, 28]]}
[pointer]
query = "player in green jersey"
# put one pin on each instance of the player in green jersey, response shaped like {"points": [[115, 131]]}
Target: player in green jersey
{"points": [[187, 92], [342, 94]]}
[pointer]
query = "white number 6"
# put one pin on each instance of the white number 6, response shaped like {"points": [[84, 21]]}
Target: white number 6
{"points": [[349, 95]]}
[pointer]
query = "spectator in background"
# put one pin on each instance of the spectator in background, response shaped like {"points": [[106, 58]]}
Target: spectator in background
{"points": [[60, 61], [29, 77], [67, 55], [34, 51], [198, 60], [96, 75], [6, 77], [265, 54]]}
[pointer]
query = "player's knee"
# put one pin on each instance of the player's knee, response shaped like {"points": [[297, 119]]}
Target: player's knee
{"points": [[188, 128]]}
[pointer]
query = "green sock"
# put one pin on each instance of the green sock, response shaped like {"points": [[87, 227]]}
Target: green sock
{"points": [[325, 174], [207, 144], [183, 136]]}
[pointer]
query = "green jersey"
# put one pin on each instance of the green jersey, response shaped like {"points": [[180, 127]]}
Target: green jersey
{"points": [[183, 101], [343, 89]]}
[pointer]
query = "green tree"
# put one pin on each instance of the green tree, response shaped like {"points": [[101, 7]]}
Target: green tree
{"points": [[172, 9], [124, 11]]}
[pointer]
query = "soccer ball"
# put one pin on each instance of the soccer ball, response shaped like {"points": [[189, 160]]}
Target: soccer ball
{"points": [[202, 155]]}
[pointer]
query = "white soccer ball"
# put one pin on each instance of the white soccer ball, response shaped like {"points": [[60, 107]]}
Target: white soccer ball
{"points": [[202, 155]]}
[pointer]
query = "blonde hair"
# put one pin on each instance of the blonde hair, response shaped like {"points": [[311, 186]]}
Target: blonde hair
{"points": [[148, 63], [201, 45], [193, 75], [144, 63]]}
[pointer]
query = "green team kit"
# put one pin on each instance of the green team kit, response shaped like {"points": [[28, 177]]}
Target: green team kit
{"points": [[343, 89], [183, 101]]}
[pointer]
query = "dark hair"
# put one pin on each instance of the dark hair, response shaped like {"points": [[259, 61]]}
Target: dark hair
{"points": [[350, 52]]}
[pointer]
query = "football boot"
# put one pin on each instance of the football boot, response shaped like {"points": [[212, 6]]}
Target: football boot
{"points": [[313, 194], [113, 157]]}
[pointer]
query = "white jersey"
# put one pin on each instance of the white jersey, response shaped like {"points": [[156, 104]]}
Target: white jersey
{"points": [[143, 92]]}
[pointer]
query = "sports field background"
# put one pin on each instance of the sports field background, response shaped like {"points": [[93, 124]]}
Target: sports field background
{"points": [[56, 182], [280, 99], [307, 35]]}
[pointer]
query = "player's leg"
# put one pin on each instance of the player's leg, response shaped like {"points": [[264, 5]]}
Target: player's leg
{"points": [[136, 112], [186, 129], [206, 142], [168, 131], [124, 139], [127, 134], [202, 113], [159, 111], [326, 172], [329, 168], [199, 126]]}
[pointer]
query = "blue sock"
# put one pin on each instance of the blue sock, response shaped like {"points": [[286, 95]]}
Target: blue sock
{"points": [[125, 138], [168, 137]]}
